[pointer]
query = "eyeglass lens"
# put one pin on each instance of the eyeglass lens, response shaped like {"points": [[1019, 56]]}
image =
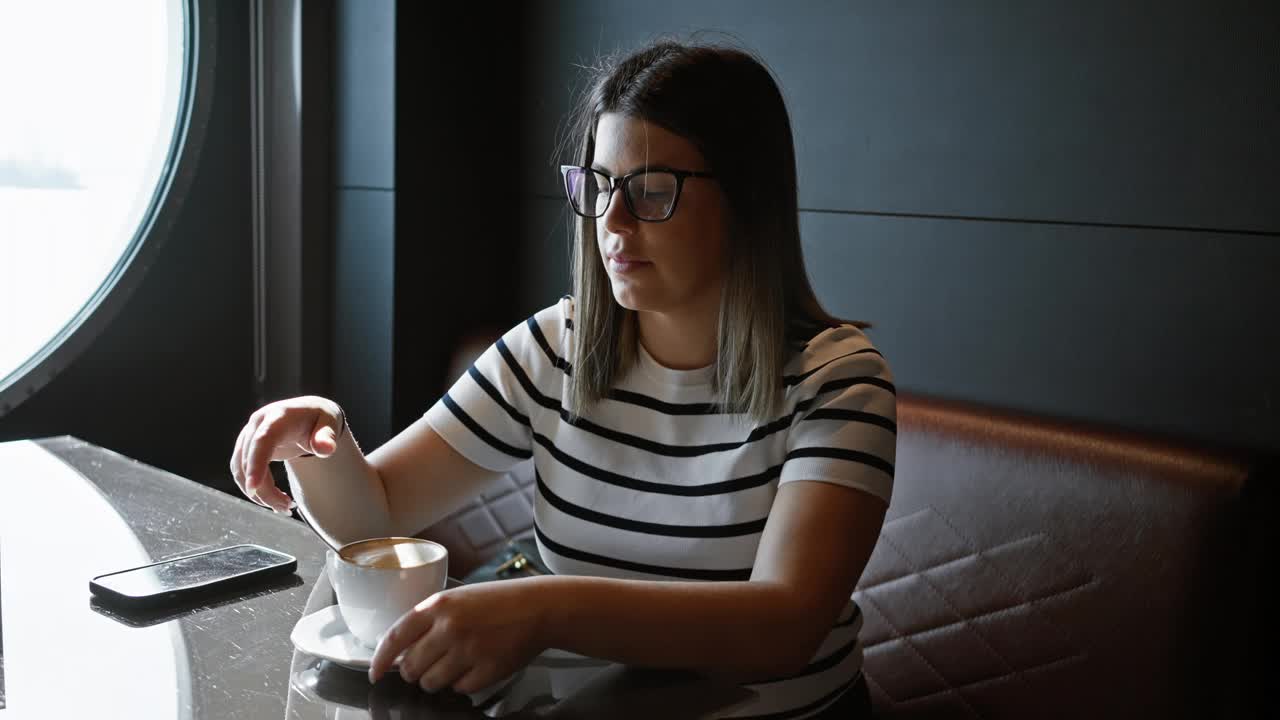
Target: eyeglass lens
{"points": [[650, 194]]}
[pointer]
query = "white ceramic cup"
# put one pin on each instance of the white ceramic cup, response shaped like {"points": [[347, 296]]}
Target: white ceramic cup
{"points": [[371, 599]]}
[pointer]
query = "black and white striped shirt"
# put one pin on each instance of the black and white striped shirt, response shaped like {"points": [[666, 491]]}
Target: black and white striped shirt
{"points": [[656, 482]]}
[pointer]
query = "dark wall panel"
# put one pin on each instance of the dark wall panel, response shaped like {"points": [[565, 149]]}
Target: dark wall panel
{"points": [[364, 93], [545, 251], [364, 226], [461, 212], [1062, 208], [1144, 329], [1149, 113], [364, 243]]}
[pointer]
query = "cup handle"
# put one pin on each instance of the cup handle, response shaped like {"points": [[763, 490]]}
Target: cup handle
{"points": [[330, 559]]}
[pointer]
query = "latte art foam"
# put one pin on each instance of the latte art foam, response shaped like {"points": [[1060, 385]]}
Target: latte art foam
{"points": [[391, 553]]}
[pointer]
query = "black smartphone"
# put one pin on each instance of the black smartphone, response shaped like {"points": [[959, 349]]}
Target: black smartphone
{"points": [[181, 580]]}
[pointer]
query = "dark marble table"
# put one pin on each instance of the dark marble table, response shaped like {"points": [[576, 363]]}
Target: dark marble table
{"points": [[70, 510]]}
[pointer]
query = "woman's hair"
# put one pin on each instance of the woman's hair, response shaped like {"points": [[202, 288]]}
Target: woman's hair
{"points": [[726, 102]]}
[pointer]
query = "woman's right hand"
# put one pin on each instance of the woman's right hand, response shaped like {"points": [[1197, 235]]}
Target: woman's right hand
{"points": [[283, 430]]}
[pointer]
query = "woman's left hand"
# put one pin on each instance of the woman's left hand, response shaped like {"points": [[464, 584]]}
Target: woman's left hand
{"points": [[466, 638]]}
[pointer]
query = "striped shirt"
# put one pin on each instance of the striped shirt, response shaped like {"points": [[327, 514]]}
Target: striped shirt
{"points": [[657, 482]]}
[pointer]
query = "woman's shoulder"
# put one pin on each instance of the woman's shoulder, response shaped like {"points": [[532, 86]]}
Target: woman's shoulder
{"points": [[543, 338], [836, 352], [555, 321], [563, 311]]}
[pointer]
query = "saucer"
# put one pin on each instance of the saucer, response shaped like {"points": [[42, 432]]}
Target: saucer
{"points": [[323, 634]]}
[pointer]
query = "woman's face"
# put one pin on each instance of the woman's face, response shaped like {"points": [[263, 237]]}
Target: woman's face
{"points": [[674, 266]]}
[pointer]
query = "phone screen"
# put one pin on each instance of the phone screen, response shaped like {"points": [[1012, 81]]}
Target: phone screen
{"points": [[190, 571]]}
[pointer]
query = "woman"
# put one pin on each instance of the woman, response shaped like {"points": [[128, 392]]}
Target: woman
{"points": [[714, 452]]}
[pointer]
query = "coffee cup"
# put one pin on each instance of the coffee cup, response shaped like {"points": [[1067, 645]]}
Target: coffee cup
{"points": [[380, 579]]}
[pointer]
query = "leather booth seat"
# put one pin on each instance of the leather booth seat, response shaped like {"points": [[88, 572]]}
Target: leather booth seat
{"points": [[1029, 568], [1037, 568]]}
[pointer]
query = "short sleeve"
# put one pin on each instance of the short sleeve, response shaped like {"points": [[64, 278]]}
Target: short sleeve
{"points": [[844, 429], [488, 414]]}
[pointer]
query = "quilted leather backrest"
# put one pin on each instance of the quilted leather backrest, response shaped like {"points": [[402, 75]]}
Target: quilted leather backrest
{"points": [[479, 530], [1030, 568]]}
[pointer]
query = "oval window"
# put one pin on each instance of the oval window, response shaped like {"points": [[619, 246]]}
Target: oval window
{"points": [[97, 101]]}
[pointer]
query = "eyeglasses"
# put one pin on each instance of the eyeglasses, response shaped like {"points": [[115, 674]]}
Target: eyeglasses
{"points": [[650, 194]]}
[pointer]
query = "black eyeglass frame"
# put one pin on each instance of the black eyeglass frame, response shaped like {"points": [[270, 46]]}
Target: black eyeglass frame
{"points": [[624, 183]]}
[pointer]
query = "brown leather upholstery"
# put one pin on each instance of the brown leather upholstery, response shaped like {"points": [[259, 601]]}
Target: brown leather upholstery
{"points": [[482, 528], [1036, 569], [1028, 568]]}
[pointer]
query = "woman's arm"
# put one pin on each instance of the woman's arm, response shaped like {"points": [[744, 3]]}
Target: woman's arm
{"points": [[407, 484], [815, 545]]}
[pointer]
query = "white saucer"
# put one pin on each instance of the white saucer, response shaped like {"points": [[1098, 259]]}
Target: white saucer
{"points": [[324, 635]]}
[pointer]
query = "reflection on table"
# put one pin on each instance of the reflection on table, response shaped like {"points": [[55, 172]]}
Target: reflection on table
{"points": [[70, 510]]}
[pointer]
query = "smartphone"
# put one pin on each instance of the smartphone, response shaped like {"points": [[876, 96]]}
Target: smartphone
{"points": [[183, 579]]}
